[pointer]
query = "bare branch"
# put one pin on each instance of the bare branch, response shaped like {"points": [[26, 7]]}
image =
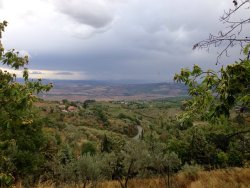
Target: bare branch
{"points": [[230, 12], [233, 36]]}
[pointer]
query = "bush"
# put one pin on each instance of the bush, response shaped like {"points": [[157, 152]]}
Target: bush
{"points": [[235, 158], [88, 148], [191, 171], [6, 180], [102, 116], [124, 116], [222, 159], [184, 125]]}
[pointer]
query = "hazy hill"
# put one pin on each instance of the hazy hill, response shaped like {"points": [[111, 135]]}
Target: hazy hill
{"points": [[101, 90]]}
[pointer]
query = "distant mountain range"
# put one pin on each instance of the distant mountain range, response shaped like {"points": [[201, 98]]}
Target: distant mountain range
{"points": [[80, 90]]}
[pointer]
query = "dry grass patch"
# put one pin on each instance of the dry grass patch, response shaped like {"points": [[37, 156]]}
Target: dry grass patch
{"points": [[226, 178]]}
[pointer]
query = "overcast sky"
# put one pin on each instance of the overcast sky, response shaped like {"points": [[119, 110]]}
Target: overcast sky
{"points": [[146, 40]]}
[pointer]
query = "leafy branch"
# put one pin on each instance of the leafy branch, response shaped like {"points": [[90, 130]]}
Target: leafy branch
{"points": [[216, 93]]}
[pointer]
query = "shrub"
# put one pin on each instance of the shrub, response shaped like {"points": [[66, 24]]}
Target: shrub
{"points": [[6, 180], [222, 159], [191, 171], [88, 148]]}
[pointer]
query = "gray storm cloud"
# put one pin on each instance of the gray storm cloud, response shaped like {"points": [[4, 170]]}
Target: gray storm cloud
{"points": [[167, 26], [96, 14], [146, 38], [115, 39]]}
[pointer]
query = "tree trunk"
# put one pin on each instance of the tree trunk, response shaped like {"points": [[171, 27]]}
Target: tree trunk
{"points": [[18, 184], [128, 173], [85, 184], [168, 177], [120, 181]]}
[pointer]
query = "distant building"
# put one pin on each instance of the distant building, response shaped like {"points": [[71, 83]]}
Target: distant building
{"points": [[72, 108]]}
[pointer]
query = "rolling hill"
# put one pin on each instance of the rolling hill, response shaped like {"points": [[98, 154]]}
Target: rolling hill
{"points": [[103, 91]]}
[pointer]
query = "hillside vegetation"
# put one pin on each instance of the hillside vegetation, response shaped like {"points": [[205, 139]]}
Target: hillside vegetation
{"points": [[103, 131], [200, 141], [92, 144]]}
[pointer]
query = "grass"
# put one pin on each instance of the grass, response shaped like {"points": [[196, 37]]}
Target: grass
{"points": [[224, 178]]}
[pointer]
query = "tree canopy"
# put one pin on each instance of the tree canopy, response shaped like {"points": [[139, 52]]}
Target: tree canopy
{"points": [[215, 93], [21, 137]]}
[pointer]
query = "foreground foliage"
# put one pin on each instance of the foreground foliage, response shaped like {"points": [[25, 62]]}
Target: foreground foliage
{"points": [[21, 137], [216, 93]]}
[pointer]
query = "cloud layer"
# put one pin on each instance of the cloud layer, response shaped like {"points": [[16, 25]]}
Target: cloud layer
{"points": [[112, 39], [93, 13]]}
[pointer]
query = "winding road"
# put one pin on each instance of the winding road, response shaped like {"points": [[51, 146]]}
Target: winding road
{"points": [[139, 134]]}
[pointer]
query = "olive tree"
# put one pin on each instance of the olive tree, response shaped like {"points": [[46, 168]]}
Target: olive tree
{"points": [[163, 162], [86, 170], [130, 162]]}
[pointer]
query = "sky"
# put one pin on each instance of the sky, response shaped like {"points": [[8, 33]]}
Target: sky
{"points": [[139, 40]]}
